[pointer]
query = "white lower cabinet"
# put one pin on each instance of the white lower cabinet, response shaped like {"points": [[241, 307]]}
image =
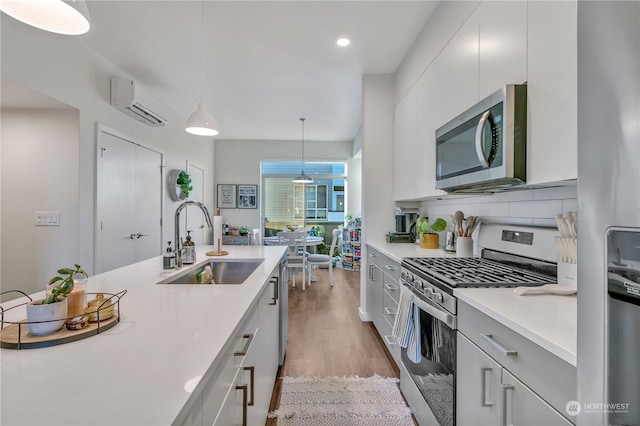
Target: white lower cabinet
{"points": [[477, 386], [238, 391], [504, 379], [375, 278], [487, 394], [524, 407], [263, 356], [383, 292], [234, 405]]}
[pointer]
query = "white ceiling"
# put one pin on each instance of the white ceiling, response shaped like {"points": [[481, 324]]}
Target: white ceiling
{"points": [[267, 63]]}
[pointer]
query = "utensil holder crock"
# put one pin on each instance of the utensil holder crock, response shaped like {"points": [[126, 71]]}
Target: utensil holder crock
{"points": [[464, 247]]}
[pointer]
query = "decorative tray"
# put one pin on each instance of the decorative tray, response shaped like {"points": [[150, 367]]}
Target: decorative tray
{"points": [[15, 335]]}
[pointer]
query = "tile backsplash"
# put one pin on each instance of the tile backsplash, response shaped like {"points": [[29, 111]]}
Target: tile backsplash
{"points": [[529, 207]]}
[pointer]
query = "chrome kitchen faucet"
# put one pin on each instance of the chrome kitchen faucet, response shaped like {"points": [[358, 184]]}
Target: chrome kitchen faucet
{"points": [[207, 218]]}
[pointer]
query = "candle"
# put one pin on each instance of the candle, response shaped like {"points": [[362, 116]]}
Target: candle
{"points": [[77, 299]]}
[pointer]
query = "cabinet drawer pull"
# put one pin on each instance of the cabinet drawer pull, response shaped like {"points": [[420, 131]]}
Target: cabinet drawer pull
{"points": [[373, 255], [505, 389], [252, 371], [498, 346], [243, 388], [390, 311], [390, 340], [372, 274], [483, 396], [274, 280], [391, 287], [244, 350], [276, 290], [391, 267]]}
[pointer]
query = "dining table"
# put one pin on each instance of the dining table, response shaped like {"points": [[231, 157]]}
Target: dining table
{"points": [[311, 240]]}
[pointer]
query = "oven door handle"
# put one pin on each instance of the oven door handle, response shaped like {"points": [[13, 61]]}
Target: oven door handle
{"points": [[434, 311]]}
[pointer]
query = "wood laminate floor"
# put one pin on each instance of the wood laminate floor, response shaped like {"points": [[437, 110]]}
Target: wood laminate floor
{"points": [[326, 336]]}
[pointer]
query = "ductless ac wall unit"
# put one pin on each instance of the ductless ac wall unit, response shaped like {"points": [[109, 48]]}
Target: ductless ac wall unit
{"points": [[134, 102]]}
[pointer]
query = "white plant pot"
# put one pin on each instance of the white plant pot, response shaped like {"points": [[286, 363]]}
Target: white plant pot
{"points": [[50, 313]]}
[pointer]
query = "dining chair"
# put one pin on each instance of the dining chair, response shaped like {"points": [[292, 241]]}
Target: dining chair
{"points": [[255, 237], [324, 259], [297, 242]]}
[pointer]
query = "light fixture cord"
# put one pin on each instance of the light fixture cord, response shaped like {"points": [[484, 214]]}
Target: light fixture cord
{"points": [[202, 53], [302, 165]]}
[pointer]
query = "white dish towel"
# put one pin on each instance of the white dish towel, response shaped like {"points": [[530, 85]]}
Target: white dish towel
{"points": [[403, 322], [406, 326]]}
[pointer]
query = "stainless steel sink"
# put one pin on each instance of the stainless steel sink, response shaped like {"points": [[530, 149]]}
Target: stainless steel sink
{"points": [[224, 272]]}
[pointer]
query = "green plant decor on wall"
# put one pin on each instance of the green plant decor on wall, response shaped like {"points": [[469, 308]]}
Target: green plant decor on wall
{"points": [[184, 180]]}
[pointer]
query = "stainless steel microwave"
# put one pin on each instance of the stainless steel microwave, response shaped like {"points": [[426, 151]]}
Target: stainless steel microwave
{"points": [[485, 147]]}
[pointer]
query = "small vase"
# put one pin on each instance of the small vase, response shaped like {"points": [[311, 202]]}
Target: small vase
{"points": [[431, 241], [53, 313]]}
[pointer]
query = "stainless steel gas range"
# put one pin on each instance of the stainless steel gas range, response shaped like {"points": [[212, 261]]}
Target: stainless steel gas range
{"points": [[511, 257]]}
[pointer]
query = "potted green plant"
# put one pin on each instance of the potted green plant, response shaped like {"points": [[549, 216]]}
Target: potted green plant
{"points": [[184, 180], [318, 231], [48, 315], [244, 230], [427, 232]]}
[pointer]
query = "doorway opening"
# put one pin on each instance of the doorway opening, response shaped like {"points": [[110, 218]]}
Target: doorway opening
{"points": [[319, 206]]}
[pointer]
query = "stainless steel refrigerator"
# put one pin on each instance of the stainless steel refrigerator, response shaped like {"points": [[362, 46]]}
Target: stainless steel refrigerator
{"points": [[608, 196]]}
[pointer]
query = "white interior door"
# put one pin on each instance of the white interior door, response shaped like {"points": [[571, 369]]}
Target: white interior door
{"points": [[148, 203], [193, 217], [128, 202]]}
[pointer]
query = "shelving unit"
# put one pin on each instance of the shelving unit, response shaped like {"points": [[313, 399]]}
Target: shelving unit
{"points": [[351, 248]]}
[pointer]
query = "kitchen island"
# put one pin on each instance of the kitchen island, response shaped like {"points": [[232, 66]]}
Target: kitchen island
{"points": [[148, 369]]}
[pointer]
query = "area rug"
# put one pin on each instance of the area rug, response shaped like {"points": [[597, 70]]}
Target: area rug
{"points": [[333, 401]]}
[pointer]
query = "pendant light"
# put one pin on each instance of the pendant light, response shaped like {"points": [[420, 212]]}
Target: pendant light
{"points": [[68, 17], [201, 122], [302, 178]]}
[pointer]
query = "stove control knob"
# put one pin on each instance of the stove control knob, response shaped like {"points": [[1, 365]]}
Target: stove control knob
{"points": [[403, 275], [438, 297], [428, 291], [417, 284]]}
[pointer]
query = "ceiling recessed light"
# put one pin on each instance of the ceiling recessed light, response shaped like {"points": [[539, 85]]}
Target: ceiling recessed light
{"points": [[343, 42]]}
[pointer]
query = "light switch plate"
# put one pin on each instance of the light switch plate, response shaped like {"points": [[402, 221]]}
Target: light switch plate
{"points": [[47, 218]]}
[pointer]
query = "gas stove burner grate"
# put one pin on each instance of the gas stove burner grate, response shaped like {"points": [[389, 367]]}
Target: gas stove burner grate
{"points": [[477, 272]]}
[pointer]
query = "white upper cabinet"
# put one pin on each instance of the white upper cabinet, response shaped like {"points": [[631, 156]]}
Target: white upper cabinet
{"points": [[407, 161], [552, 122], [503, 45], [500, 42], [433, 104], [462, 70]]}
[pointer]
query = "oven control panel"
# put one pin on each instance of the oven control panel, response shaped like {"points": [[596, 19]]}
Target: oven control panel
{"points": [[517, 237], [427, 291]]}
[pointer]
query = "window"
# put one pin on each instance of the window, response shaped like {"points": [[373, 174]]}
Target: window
{"points": [[315, 201], [285, 202]]}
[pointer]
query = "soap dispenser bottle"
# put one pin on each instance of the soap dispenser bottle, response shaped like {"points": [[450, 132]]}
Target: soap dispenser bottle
{"points": [[189, 250], [169, 258]]}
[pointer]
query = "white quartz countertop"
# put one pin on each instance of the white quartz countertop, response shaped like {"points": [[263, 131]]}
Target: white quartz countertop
{"points": [[142, 371], [547, 320], [397, 251]]}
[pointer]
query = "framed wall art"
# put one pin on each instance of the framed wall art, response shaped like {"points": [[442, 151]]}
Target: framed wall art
{"points": [[226, 196], [247, 196]]}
